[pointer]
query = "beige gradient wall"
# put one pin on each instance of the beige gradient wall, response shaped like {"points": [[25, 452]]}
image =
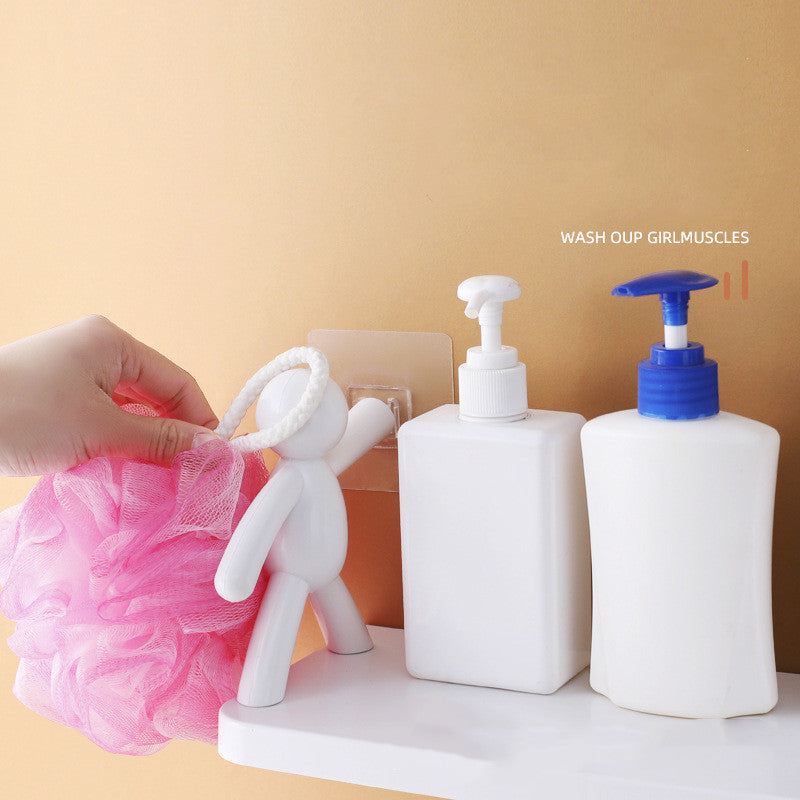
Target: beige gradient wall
{"points": [[221, 177]]}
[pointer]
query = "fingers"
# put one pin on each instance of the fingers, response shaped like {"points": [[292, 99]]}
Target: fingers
{"points": [[148, 376], [122, 399], [155, 439], [58, 398]]}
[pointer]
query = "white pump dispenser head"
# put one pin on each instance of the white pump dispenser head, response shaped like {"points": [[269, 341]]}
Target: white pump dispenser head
{"points": [[492, 384]]}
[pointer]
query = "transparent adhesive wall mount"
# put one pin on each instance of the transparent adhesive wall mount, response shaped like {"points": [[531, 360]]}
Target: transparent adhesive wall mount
{"points": [[411, 371]]}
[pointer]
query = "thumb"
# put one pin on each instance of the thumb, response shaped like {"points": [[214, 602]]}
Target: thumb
{"points": [[156, 439]]}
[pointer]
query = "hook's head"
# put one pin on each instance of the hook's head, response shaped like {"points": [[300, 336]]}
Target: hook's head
{"points": [[323, 429]]}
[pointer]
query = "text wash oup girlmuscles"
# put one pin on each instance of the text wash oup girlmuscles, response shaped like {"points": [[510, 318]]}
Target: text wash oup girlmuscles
{"points": [[655, 237]]}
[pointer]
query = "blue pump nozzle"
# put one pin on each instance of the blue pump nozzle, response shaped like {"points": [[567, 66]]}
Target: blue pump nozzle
{"points": [[678, 381], [672, 288]]}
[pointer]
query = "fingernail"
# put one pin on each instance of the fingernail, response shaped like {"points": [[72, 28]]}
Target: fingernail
{"points": [[202, 437]]}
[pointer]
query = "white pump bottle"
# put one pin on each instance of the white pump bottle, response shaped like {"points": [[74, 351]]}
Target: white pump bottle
{"points": [[680, 505], [495, 545]]}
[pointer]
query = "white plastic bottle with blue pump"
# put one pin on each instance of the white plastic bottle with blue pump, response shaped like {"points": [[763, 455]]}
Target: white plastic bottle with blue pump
{"points": [[680, 508], [495, 543]]}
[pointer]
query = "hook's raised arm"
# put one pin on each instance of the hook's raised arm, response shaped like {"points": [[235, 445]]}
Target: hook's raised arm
{"points": [[368, 421]]}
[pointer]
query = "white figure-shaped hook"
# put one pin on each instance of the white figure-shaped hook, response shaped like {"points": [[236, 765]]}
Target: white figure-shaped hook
{"points": [[296, 528]]}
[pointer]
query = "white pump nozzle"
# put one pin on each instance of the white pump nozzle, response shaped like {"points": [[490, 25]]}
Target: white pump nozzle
{"points": [[492, 382], [485, 295]]}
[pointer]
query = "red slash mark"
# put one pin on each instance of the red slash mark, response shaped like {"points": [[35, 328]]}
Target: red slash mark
{"points": [[726, 283]]}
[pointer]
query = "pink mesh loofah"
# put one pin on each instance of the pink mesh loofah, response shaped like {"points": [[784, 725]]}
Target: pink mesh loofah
{"points": [[108, 569]]}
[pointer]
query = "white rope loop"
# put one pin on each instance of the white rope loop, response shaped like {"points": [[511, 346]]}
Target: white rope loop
{"points": [[294, 419]]}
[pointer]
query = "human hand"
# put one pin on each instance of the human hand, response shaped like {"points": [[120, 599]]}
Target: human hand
{"points": [[59, 395]]}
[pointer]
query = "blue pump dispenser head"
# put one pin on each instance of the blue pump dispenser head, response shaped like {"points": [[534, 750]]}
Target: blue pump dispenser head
{"points": [[677, 381]]}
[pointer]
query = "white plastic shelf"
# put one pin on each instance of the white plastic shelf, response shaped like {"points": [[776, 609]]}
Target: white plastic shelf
{"points": [[362, 719]]}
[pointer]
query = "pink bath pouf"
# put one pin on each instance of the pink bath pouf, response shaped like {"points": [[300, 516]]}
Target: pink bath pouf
{"points": [[108, 570]]}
